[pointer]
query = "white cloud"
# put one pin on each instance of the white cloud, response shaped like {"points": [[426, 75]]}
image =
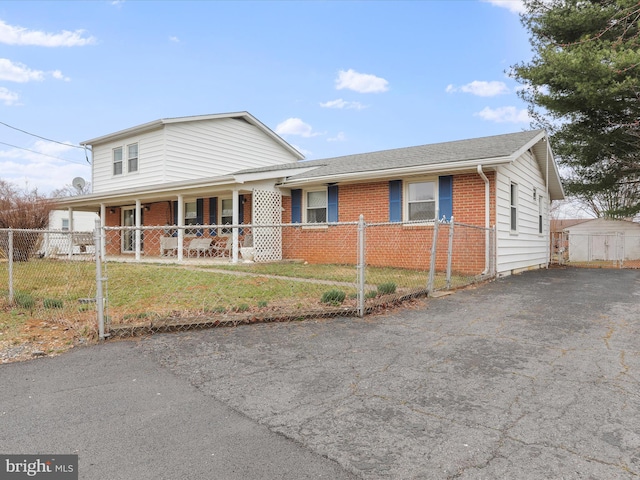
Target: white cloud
{"points": [[8, 97], [14, 35], [29, 168], [174, 39], [17, 72], [295, 126], [480, 88], [515, 6], [505, 115], [340, 137], [361, 82], [340, 103]]}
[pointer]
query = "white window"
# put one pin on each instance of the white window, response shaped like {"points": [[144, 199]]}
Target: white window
{"points": [[65, 224], [190, 216], [540, 213], [226, 214], [132, 157], [514, 207], [316, 207], [421, 201], [117, 161]]}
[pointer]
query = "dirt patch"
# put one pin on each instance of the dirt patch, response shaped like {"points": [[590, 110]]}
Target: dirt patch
{"points": [[37, 338]]}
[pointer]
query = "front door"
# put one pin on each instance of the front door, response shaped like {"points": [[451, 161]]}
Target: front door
{"points": [[129, 236]]}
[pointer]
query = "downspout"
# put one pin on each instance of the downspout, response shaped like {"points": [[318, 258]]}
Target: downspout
{"points": [[487, 219]]}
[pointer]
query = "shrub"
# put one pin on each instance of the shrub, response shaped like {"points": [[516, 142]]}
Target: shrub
{"points": [[243, 307], [262, 303], [387, 288], [53, 303], [333, 297], [24, 300], [371, 294]]}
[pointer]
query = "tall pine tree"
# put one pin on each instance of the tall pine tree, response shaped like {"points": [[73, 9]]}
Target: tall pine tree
{"points": [[583, 86]]}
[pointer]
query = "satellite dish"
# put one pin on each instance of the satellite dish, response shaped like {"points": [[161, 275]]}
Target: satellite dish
{"points": [[78, 183]]}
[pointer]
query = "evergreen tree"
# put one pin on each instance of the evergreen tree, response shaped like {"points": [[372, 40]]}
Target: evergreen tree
{"points": [[583, 86]]}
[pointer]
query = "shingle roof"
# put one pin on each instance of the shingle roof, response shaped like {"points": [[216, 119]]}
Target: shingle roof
{"points": [[438, 153]]}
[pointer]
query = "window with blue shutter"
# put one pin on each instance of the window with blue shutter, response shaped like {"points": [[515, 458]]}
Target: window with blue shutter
{"points": [[213, 215], [296, 206], [395, 201], [332, 203], [445, 197]]}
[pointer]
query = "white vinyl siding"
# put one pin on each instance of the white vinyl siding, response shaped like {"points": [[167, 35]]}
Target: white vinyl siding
{"points": [[188, 151], [527, 249]]}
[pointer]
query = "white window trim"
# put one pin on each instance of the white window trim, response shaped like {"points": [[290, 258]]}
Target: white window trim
{"points": [[113, 161], [304, 207], [512, 206], [221, 231], [405, 198], [137, 157]]}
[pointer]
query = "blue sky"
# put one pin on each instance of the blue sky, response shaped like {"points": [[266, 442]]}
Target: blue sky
{"points": [[331, 77]]}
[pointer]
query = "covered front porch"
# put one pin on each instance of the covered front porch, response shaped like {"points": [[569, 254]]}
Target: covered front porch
{"points": [[212, 224]]}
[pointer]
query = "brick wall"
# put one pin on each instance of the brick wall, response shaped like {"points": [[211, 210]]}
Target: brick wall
{"points": [[395, 245]]}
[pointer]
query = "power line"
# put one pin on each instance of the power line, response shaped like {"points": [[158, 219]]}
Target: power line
{"points": [[43, 138], [40, 153]]}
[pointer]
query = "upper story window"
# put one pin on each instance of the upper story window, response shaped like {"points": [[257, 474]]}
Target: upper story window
{"points": [[421, 201], [65, 224], [514, 206], [132, 157], [117, 161], [316, 207]]}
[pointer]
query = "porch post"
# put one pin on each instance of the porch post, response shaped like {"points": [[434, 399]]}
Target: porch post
{"points": [[138, 232], [235, 219], [70, 213], [180, 224]]}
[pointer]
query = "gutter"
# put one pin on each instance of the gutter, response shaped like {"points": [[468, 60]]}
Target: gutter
{"points": [[487, 219]]}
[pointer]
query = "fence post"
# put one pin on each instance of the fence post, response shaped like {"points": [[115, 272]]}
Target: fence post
{"points": [[361, 265], [97, 240], [10, 258], [432, 263], [450, 253]]}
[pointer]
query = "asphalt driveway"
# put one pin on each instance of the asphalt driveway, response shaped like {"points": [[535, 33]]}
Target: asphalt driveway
{"points": [[534, 376]]}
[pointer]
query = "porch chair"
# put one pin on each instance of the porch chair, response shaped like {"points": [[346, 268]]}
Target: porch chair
{"points": [[222, 248], [199, 246], [168, 246]]}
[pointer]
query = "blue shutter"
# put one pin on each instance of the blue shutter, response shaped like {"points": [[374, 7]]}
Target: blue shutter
{"points": [[213, 215], [296, 206], [174, 204], [332, 203], [241, 212], [200, 215], [445, 197], [395, 201]]}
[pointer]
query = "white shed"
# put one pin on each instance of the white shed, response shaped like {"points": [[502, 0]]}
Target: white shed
{"points": [[602, 239]]}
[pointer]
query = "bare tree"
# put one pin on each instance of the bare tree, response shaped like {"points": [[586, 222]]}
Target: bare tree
{"points": [[22, 210]]}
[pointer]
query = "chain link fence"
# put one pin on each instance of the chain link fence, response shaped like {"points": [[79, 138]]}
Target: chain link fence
{"points": [[48, 275], [602, 250], [172, 278], [210, 275]]}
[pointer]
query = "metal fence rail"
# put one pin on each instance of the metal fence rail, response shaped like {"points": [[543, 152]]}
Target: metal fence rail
{"points": [[170, 278]]}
